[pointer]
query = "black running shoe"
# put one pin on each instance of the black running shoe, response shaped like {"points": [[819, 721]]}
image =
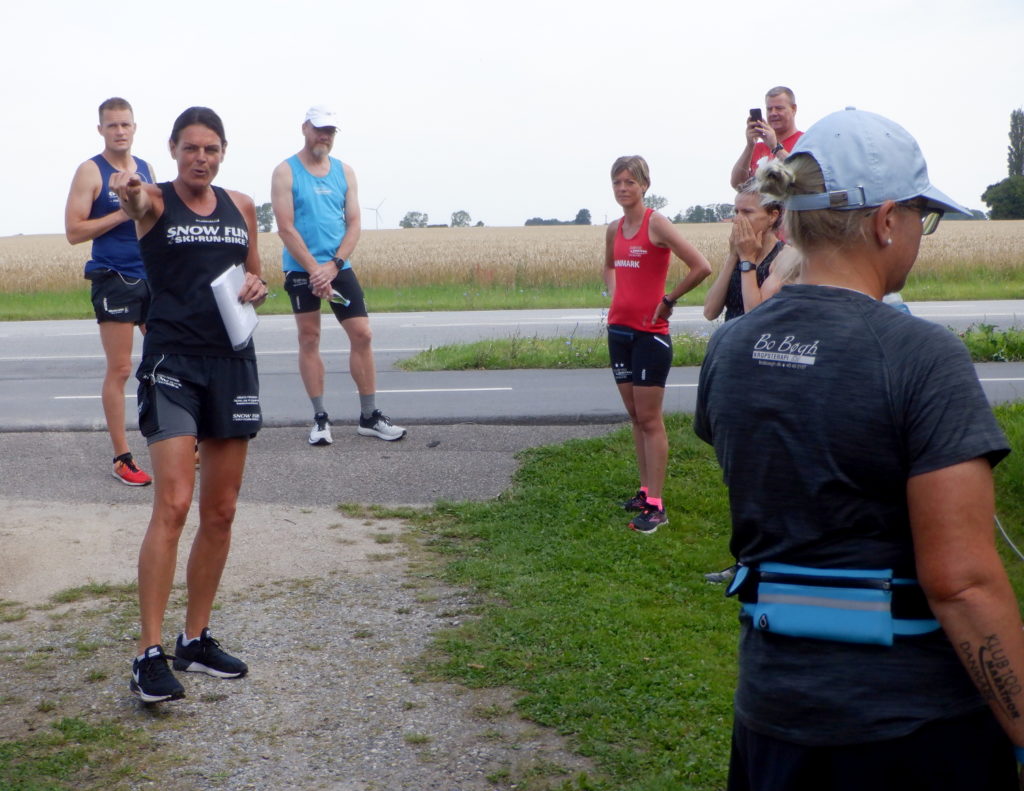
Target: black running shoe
{"points": [[205, 656], [152, 680], [647, 522], [636, 502]]}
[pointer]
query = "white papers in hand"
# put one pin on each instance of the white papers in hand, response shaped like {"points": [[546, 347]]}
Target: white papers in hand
{"points": [[239, 319]]}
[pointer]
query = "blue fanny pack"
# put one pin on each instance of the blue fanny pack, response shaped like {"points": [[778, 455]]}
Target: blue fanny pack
{"points": [[846, 605]]}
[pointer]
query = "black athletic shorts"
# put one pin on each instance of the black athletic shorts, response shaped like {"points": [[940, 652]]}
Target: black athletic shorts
{"points": [[967, 752], [640, 358], [205, 397], [119, 298], [304, 301]]}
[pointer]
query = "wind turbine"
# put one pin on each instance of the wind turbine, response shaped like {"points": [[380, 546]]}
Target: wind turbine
{"points": [[376, 212]]}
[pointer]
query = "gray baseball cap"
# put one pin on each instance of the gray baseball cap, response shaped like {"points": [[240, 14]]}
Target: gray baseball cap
{"points": [[865, 160]]}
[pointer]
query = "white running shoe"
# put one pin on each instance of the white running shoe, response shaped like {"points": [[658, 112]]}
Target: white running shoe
{"points": [[379, 425], [321, 431]]}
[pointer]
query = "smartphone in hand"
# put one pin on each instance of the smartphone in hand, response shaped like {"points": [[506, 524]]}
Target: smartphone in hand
{"points": [[755, 114]]}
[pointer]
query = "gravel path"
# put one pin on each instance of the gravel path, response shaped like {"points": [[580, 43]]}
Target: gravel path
{"points": [[333, 614]]}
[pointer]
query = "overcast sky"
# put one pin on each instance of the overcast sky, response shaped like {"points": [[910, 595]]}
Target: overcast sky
{"points": [[505, 111]]}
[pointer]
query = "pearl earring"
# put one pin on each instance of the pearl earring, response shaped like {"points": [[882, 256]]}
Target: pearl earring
{"points": [[888, 241]]}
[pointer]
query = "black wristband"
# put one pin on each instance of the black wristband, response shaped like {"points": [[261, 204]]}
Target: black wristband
{"points": [[338, 262], [670, 302]]}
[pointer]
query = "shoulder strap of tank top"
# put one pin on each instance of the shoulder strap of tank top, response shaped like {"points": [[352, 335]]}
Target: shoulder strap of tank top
{"points": [[775, 251]]}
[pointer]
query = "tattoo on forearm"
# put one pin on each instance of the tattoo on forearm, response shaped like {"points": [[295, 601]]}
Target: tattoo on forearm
{"points": [[990, 671]]}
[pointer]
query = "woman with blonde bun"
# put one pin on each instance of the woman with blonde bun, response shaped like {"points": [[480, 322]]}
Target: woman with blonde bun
{"points": [[758, 263], [880, 642]]}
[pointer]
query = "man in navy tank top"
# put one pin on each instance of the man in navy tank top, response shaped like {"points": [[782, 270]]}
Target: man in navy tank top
{"points": [[316, 207], [120, 294]]}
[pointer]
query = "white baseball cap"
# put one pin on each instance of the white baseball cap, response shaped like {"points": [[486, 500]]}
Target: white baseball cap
{"points": [[865, 160], [320, 115]]}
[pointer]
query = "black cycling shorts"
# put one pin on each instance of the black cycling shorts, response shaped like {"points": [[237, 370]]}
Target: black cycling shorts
{"points": [[116, 297], [205, 397], [304, 301], [642, 359]]}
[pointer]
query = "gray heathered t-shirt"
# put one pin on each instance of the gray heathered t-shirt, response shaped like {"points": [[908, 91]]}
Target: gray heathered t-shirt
{"points": [[820, 404]]}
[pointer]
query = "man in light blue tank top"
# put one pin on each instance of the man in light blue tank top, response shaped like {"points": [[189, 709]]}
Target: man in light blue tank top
{"points": [[316, 206], [120, 294]]}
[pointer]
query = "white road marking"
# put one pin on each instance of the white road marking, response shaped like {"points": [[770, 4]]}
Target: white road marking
{"points": [[85, 397], [136, 357], [449, 390]]}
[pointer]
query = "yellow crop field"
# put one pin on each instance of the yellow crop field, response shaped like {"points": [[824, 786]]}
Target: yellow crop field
{"points": [[568, 255]]}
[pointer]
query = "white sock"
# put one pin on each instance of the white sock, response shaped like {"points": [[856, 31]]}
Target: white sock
{"points": [[186, 641]]}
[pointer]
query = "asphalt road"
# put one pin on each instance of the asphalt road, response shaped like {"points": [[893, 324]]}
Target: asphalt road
{"points": [[51, 371], [466, 427]]}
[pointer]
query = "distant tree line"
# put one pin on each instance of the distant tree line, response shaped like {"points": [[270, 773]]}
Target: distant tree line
{"points": [[1006, 198], [414, 219], [582, 218], [418, 219], [711, 212]]}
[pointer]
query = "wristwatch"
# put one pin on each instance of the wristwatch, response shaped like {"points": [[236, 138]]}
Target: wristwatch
{"points": [[670, 302], [338, 262], [746, 266], [778, 148]]}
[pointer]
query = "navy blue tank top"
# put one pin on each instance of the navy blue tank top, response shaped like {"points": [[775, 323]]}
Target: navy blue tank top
{"points": [[184, 253], [118, 248]]}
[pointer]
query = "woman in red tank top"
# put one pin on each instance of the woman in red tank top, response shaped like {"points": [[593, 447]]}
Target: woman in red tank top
{"points": [[638, 249]]}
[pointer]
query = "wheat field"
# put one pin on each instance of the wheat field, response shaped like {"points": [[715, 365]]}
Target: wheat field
{"points": [[569, 255]]}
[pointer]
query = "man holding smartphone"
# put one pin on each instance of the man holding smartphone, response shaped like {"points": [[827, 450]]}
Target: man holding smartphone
{"points": [[771, 139]]}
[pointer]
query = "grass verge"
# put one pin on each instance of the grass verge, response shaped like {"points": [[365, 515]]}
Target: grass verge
{"points": [[615, 638], [75, 303], [984, 342], [536, 352], [934, 286]]}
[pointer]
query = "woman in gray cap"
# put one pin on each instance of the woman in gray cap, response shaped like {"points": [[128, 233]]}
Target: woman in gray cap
{"points": [[857, 445]]}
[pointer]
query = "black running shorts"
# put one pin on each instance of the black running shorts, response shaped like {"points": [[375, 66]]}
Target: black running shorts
{"points": [[970, 751], [204, 397], [642, 359], [304, 301], [119, 298]]}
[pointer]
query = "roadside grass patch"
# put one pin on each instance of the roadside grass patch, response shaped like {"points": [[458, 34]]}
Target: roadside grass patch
{"points": [[70, 753], [97, 590], [536, 352], [985, 343], [11, 611], [614, 637]]}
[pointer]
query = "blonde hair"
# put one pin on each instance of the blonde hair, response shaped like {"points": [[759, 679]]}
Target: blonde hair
{"points": [[749, 187], [788, 270], [637, 167], [800, 174]]}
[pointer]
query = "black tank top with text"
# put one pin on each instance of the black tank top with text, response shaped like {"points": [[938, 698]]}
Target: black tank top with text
{"points": [[184, 253]]}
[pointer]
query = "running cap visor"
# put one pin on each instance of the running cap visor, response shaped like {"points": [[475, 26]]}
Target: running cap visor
{"points": [[865, 160]]}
